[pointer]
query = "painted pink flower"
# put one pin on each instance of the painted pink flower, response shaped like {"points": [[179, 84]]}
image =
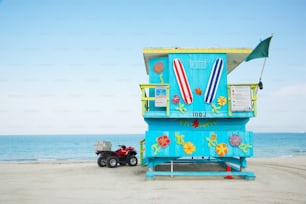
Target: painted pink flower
{"points": [[235, 140], [176, 99]]}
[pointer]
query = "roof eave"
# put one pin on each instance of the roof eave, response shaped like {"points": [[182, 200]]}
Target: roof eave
{"points": [[235, 56]]}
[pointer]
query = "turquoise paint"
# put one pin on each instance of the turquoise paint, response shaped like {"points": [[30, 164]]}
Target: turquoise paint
{"points": [[154, 77], [199, 140], [195, 123], [204, 124], [246, 175], [198, 68], [157, 78]]}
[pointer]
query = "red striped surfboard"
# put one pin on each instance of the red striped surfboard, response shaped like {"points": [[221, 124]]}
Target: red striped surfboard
{"points": [[182, 81]]}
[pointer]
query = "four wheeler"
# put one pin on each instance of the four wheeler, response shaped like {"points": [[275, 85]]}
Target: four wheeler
{"points": [[124, 155]]}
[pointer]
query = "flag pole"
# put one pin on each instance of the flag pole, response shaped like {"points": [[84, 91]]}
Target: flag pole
{"points": [[262, 69], [260, 85]]}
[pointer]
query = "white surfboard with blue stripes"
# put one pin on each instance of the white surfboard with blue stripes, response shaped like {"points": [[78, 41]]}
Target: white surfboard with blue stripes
{"points": [[213, 82]]}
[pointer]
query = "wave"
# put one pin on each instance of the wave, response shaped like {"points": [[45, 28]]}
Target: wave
{"points": [[41, 160], [31, 149], [18, 160], [299, 151]]}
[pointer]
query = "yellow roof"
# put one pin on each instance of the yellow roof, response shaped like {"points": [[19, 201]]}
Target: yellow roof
{"points": [[234, 55]]}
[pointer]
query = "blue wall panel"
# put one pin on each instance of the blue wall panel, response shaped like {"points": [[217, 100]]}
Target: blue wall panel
{"points": [[194, 144], [198, 68], [155, 75]]}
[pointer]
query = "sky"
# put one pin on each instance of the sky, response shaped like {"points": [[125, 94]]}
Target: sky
{"points": [[74, 66]]}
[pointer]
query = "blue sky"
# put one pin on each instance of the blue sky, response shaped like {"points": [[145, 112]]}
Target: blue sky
{"points": [[74, 66]]}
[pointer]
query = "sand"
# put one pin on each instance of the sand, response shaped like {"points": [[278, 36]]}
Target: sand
{"points": [[278, 180]]}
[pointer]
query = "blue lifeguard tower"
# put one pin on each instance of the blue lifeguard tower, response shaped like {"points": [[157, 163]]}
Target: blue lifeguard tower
{"points": [[193, 114]]}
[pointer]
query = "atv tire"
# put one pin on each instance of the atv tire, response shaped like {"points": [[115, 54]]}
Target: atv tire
{"points": [[101, 162], [132, 161], [112, 162]]}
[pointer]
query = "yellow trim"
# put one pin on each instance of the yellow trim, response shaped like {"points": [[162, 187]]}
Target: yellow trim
{"points": [[145, 99], [234, 55], [142, 150], [196, 50], [229, 100]]}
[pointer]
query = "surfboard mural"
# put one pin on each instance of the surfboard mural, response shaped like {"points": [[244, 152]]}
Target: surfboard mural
{"points": [[182, 81], [213, 82]]}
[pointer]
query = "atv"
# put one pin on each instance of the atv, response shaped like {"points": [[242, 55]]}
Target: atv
{"points": [[124, 155]]}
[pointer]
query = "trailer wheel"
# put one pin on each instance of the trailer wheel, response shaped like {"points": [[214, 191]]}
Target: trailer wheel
{"points": [[101, 162], [133, 161], [112, 162]]}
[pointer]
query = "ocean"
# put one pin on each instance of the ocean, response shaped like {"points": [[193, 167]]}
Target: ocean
{"points": [[43, 148]]}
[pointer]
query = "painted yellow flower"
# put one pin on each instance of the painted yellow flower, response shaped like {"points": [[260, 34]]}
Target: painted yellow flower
{"points": [[189, 148], [222, 101], [221, 149]]}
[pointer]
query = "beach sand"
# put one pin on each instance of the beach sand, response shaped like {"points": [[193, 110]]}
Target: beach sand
{"points": [[278, 180]]}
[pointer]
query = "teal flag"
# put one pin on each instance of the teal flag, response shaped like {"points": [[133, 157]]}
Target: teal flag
{"points": [[261, 50]]}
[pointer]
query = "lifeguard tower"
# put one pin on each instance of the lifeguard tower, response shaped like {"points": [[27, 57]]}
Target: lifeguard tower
{"points": [[193, 114]]}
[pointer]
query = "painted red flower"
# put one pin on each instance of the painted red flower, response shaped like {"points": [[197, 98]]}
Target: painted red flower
{"points": [[198, 91], [195, 123], [163, 141], [159, 67]]}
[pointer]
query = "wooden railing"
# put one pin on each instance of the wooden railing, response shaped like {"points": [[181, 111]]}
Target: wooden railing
{"points": [[145, 99], [142, 150]]}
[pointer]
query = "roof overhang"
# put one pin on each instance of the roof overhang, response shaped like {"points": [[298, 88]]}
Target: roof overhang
{"points": [[234, 55]]}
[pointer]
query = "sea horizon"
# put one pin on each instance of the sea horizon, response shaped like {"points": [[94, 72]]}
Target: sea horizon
{"points": [[80, 147], [82, 134]]}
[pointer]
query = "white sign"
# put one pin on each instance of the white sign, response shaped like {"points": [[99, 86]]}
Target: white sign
{"points": [[241, 98], [160, 96], [198, 64]]}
